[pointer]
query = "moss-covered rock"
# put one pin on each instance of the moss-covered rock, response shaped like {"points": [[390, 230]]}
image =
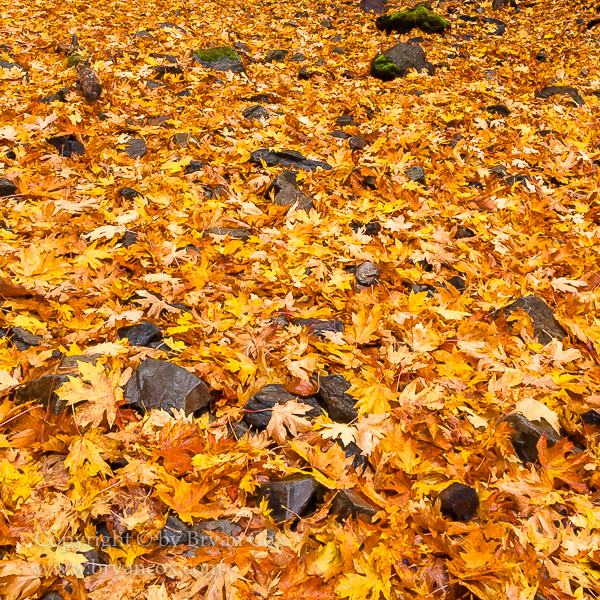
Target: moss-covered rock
{"points": [[420, 16], [222, 58], [396, 61]]}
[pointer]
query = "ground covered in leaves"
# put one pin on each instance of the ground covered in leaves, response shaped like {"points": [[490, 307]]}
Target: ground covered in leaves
{"points": [[444, 196]]}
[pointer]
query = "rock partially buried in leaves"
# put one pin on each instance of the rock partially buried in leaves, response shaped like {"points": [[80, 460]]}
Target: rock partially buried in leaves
{"points": [[194, 166], [140, 334], [255, 112], [560, 90], [7, 187], [287, 497], [129, 239], [43, 389], [223, 58], [18, 69], [545, 325], [67, 145], [527, 434], [234, 233], [499, 109], [340, 405], [421, 16], [352, 450], [129, 193], [463, 232], [273, 56], [285, 192], [320, 326], [347, 503], [357, 142], [417, 174], [257, 411], [21, 338], [135, 148], [367, 274], [459, 502], [370, 228], [397, 61], [286, 158], [164, 385], [175, 533], [591, 417]]}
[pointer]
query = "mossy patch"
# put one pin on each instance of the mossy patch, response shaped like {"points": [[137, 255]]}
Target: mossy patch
{"points": [[214, 54], [385, 69], [420, 17]]}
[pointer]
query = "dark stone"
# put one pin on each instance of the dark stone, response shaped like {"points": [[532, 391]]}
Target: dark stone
{"points": [[418, 288], [239, 429], [287, 497], [367, 274], [420, 16], [194, 166], [4, 64], [60, 96], [129, 239], [541, 56], [186, 93], [261, 98], [52, 596], [326, 23], [67, 145], [164, 385], [340, 405], [255, 112], [338, 133], [458, 283], [344, 120], [591, 417], [338, 50], [304, 74], [176, 533], [499, 170], [220, 59], [592, 23], [236, 234], [377, 7], [43, 390], [135, 148], [513, 179], [10, 154], [286, 193], [70, 362], [348, 503], [286, 158], [419, 39], [336, 39], [560, 90], [166, 26], [499, 109], [145, 35], [352, 450], [153, 85], [318, 326], [162, 70], [140, 334], [356, 142], [500, 25], [257, 411], [545, 326], [273, 56], [463, 232], [7, 187], [22, 339], [527, 434], [417, 174], [129, 193], [219, 526], [170, 59], [475, 185], [242, 47], [184, 139], [370, 228], [93, 563], [459, 502]]}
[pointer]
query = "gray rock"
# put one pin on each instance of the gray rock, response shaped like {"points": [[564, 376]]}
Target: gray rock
{"points": [[287, 497], [140, 334], [93, 563], [255, 112], [347, 503], [23, 339], [396, 61], [219, 526], [416, 173], [545, 325], [236, 234], [175, 533], [319, 326], [7, 187], [223, 58], [560, 90], [70, 362], [357, 142], [352, 450], [343, 120], [367, 274], [194, 166], [52, 596], [459, 502], [43, 389], [340, 405], [164, 385], [298, 57], [285, 192], [144, 35], [183, 140], [499, 109], [67, 145], [527, 434], [286, 158], [463, 232], [135, 148], [60, 96], [276, 56], [129, 239], [257, 411], [4, 64]]}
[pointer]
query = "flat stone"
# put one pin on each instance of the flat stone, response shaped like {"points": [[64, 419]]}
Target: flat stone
{"points": [[175, 533], [23, 339], [129, 239], [340, 405], [236, 234], [357, 142], [140, 334], [286, 158], [285, 192], [7, 187], [255, 112], [135, 148], [560, 90], [43, 389], [348, 503], [219, 526], [276, 56], [338, 133], [287, 497], [164, 385], [70, 362], [67, 145], [527, 434], [545, 325], [320, 326], [60, 96], [458, 501], [144, 35], [370, 228], [223, 58], [417, 174], [257, 411], [194, 166], [129, 193], [367, 274], [499, 109]]}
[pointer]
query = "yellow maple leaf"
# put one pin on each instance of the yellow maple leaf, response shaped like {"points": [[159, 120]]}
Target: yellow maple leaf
{"points": [[98, 389], [287, 415]]}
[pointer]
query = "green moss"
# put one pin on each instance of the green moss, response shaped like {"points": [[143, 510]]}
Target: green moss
{"points": [[419, 17], [385, 69], [75, 57], [214, 54]]}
